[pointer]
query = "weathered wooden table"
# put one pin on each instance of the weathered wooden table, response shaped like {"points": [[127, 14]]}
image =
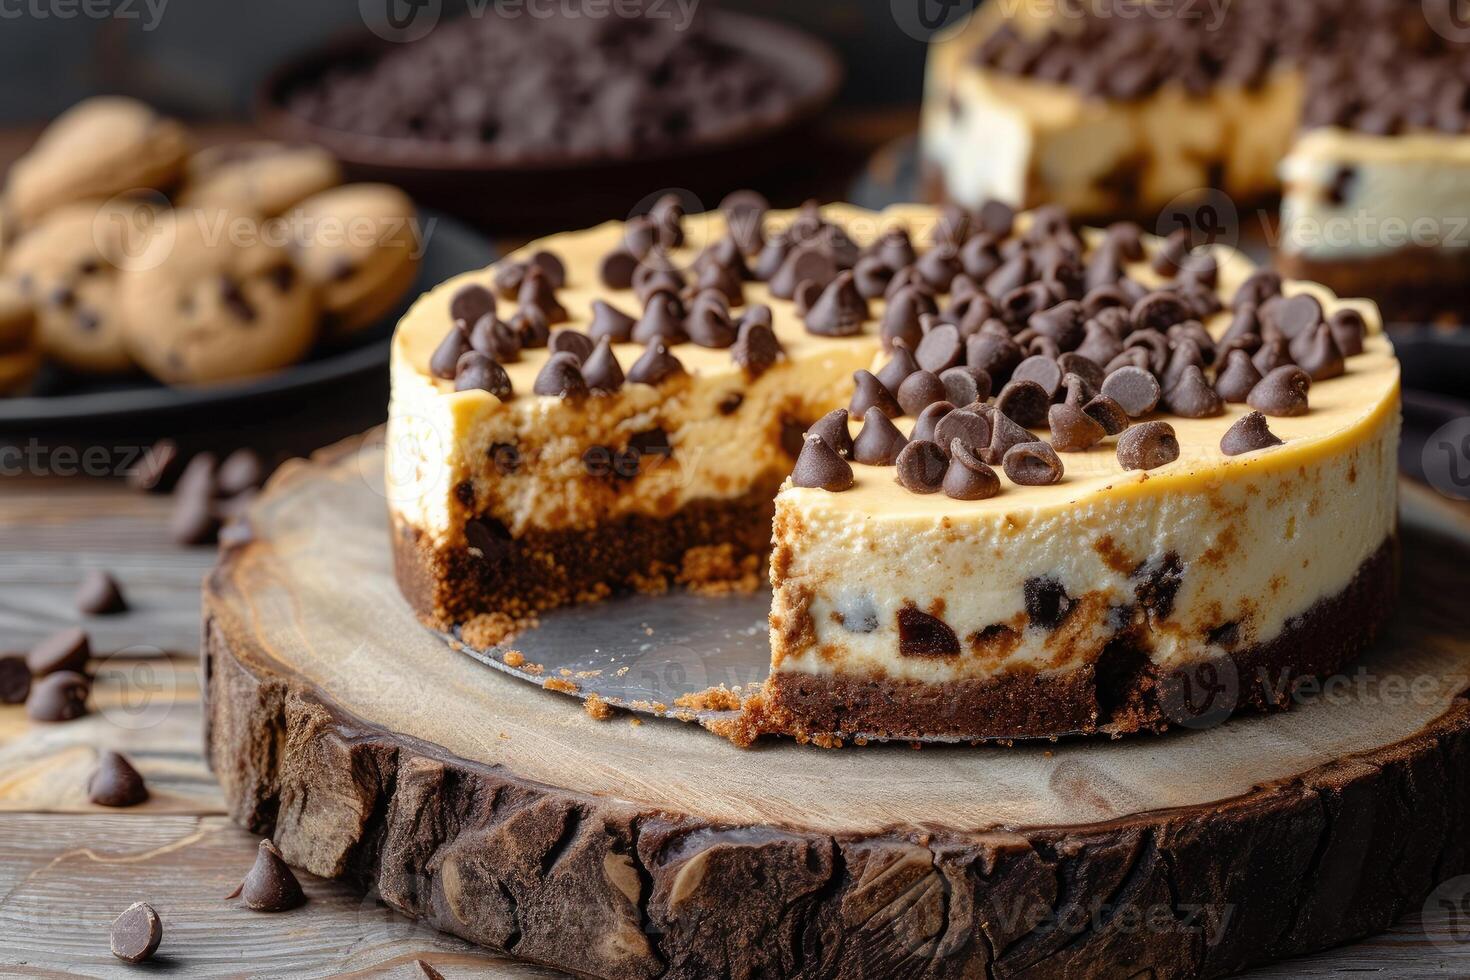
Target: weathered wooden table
{"points": [[67, 868]]}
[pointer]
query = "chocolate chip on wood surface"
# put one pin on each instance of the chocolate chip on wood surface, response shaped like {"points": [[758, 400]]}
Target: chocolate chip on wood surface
{"points": [[61, 696], [99, 594], [67, 649], [270, 885], [116, 782], [136, 933]]}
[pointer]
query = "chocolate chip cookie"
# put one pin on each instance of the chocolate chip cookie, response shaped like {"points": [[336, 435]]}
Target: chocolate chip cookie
{"points": [[216, 297], [96, 149], [260, 177], [359, 246]]}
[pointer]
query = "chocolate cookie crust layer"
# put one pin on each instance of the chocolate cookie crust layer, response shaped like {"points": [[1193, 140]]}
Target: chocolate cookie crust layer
{"points": [[1121, 692], [1411, 285], [516, 578]]}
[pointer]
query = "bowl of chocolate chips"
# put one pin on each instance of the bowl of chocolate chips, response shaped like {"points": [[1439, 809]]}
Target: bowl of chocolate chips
{"points": [[520, 120]]}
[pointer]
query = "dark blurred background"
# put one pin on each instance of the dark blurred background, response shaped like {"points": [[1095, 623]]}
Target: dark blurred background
{"points": [[202, 58]]}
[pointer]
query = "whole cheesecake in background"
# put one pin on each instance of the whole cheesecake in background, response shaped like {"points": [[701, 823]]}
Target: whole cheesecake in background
{"points": [[1356, 113], [1027, 479]]}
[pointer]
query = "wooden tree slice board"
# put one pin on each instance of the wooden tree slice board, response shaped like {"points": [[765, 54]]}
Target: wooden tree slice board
{"points": [[504, 814]]}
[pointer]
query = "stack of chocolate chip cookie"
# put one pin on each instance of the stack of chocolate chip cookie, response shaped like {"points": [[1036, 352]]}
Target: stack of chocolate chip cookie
{"points": [[121, 249]]}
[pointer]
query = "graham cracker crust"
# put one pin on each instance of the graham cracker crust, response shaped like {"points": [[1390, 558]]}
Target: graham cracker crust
{"points": [[1122, 692], [711, 545]]}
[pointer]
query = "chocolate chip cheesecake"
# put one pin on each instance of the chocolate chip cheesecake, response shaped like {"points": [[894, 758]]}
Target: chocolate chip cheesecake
{"points": [[1027, 479], [1356, 113]]}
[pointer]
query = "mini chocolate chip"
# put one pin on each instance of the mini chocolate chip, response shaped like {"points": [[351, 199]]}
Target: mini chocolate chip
{"points": [[1079, 391], [996, 217], [1024, 401], [1259, 286], [1004, 435], [1062, 323], [806, 261], [709, 324], [832, 428], [1249, 433], [1171, 253], [721, 279], [921, 466], [1318, 355], [574, 342], [1236, 379], [1282, 392], [901, 317], [1274, 353], [938, 267], [15, 679], [99, 595], [655, 365], [1295, 315], [650, 279], [601, 369], [1073, 430], [1042, 370], [923, 635], [745, 212], [1159, 311], [1348, 329], [1107, 413], [940, 349], [531, 327], [67, 650], [270, 885], [508, 278], [617, 268], [920, 390], [756, 348], [663, 317], [819, 467], [928, 420], [995, 353], [136, 933], [537, 290], [560, 377], [1047, 602], [900, 365], [59, 696], [970, 427], [194, 519], [1147, 445], [871, 276], [964, 385], [839, 311], [1185, 354], [869, 392], [879, 441], [1133, 388], [968, 477], [232, 294], [1084, 367], [1033, 464], [446, 356], [469, 303], [1193, 398], [480, 373], [115, 782]]}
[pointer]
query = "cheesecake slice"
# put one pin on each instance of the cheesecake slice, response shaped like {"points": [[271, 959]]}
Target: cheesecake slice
{"points": [[1356, 114], [1027, 479]]}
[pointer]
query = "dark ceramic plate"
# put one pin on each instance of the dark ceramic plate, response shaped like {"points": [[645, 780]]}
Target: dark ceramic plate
{"points": [[68, 400], [552, 195]]}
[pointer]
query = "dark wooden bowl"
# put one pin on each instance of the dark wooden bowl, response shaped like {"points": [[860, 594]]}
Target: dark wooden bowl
{"points": [[523, 196]]}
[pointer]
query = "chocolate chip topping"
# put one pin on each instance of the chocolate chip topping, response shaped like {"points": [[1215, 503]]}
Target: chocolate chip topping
{"points": [[1295, 315], [1005, 434], [270, 885], [1193, 398], [663, 317], [601, 369], [1024, 401], [60, 696], [928, 421], [745, 212], [940, 349], [617, 268], [1249, 433], [569, 341], [1317, 354], [832, 428], [1107, 413], [709, 323], [969, 427], [921, 466], [531, 327], [963, 384], [478, 372], [1147, 446], [993, 352], [918, 391], [1236, 379], [136, 933], [68, 649], [99, 595], [1042, 370], [495, 339], [1135, 389], [610, 322], [756, 348], [1282, 392], [655, 365], [1274, 352], [839, 311], [968, 476], [1348, 329], [445, 359], [561, 377], [901, 317], [879, 441], [1073, 430], [537, 291], [115, 782], [1033, 464], [923, 635], [869, 392], [819, 467]]}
